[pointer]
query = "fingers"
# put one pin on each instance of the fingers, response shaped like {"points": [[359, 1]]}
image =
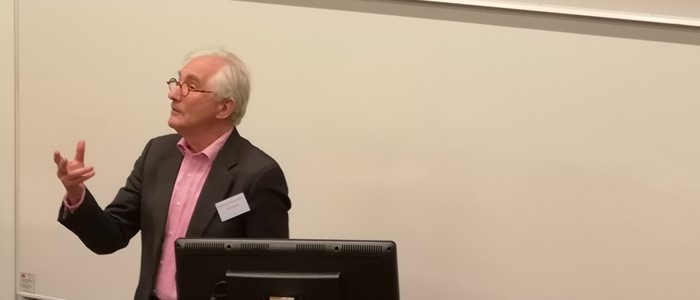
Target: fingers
{"points": [[74, 172], [61, 164], [80, 152], [57, 157], [77, 176]]}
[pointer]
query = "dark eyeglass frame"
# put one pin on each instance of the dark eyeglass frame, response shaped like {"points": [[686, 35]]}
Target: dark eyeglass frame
{"points": [[184, 88]]}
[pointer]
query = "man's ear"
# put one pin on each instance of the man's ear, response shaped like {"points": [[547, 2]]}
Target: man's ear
{"points": [[226, 107]]}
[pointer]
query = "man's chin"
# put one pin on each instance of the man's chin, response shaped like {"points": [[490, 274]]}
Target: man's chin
{"points": [[174, 124]]}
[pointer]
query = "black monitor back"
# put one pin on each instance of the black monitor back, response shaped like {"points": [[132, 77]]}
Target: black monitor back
{"points": [[240, 268]]}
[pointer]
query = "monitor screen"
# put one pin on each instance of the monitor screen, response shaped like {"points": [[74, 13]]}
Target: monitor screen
{"points": [[255, 269]]}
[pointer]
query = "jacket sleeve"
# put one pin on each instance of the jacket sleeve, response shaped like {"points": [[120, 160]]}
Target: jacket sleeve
{"points": [[106, 231], [269, 205]]}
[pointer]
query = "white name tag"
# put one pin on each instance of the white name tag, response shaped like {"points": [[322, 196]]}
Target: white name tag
{"points": [[232, 207]]}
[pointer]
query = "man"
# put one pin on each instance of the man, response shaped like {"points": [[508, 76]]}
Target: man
{"points": [[178, 179]]}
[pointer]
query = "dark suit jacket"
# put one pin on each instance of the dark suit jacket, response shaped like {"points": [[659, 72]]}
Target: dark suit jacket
{"points": [[142, 204]]}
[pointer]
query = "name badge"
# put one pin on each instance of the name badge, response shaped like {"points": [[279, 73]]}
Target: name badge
{"points": [[232, 207]]}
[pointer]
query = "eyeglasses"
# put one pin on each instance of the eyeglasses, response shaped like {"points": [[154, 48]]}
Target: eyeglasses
{"points": [[185, 89]]}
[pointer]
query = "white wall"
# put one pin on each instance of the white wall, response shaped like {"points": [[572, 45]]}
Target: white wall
{"points": [[7, 157], [512, 156]]}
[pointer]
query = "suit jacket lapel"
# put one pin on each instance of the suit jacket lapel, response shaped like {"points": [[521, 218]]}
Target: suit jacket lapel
{"points": [[165, 181], [216, 186]]}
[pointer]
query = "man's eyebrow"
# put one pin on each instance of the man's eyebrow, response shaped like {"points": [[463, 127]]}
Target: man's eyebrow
{"points": [[193, 79]]}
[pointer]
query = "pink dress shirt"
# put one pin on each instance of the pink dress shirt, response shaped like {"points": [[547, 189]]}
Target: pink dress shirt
{"points": [[190, 179]]}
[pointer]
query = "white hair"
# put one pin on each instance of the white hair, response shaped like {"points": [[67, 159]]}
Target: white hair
{"points": [[232, 81]]}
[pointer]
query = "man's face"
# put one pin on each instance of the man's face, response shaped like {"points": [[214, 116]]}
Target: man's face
{"points": [[197, 111]]}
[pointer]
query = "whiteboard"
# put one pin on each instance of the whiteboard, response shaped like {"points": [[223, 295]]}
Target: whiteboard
{"points": [[7, 151], [510, 156], [675, 12]]}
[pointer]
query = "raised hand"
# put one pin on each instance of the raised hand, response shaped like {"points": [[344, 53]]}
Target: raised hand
{"points": [[73, 173]]}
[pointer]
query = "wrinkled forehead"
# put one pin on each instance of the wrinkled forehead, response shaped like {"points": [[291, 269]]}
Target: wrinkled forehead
{"points": [[200, 69]]}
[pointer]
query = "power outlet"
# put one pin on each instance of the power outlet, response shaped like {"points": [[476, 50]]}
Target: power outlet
{"points": [[27, 282]]}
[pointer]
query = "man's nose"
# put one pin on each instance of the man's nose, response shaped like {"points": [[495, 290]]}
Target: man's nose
{"points": [[175, 94]]}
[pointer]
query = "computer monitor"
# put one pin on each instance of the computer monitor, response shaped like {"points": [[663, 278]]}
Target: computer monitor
{"points": [[311, 269]]}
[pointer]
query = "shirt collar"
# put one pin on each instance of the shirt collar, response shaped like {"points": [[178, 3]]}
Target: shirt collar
{"points": [[210, 151]]}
